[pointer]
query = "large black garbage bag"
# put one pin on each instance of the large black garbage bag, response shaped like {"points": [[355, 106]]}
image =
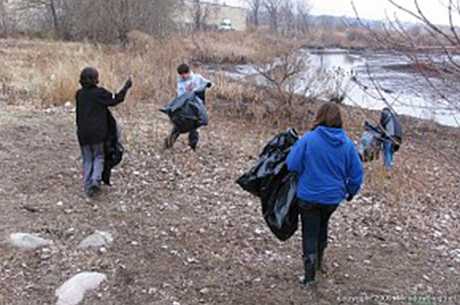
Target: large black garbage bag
{"points": [[280, 208], [270, 180], [187, 112], [270, 164], [113, 149]]}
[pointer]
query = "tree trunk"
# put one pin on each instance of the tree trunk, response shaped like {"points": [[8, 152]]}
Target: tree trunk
{"points": [[54, 16]]}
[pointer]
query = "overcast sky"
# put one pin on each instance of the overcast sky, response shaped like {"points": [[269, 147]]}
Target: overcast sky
{"points": [[436, 10]]}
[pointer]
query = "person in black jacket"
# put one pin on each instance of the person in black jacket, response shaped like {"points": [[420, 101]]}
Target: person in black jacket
{"points": [[92, 125]]}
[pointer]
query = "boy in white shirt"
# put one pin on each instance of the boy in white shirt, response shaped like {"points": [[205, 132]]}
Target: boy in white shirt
{"points": [[187, 81]]}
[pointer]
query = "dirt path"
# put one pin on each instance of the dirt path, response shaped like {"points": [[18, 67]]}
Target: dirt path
{"points": [[185, 233]]}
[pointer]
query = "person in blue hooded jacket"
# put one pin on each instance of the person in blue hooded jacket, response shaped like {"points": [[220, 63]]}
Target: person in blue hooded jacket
{"points": [[329, 170]]}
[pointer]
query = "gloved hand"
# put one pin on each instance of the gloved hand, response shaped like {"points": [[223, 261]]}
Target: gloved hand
{"points": [[129, 83], [208, 85], [350, 197]]}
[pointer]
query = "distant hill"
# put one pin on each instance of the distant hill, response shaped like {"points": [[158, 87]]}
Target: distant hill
{"points": [[343, 21]]}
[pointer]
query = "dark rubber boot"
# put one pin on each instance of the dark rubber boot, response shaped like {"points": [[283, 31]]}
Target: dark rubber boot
{"points": [[310, 269]]}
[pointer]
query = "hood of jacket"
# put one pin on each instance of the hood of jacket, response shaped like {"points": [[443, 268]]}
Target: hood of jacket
{"points": [[334, 136]]}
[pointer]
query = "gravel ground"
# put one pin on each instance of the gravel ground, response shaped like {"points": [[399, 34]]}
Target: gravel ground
{"points": [[185, 233]]}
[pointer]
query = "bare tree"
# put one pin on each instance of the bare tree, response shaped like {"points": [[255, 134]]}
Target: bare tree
{"points": [[273, 8], [199, 11], [291, 81], [303, 8], [432, 56], [50, 7], [100, 20], [255, 7], [3, 19], [288, 17]]}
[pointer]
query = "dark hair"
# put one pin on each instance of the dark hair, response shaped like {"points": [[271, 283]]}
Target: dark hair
{"points": [[89, 77], [329, 115], [183, 68]]}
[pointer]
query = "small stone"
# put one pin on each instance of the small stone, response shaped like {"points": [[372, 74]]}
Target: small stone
{"points": [[28, 241], [73, 290], [192, 260], [60, 204], [152, 290], [204, 291], [97, 239]]}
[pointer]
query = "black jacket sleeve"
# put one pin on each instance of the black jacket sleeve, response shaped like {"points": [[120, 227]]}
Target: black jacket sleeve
{"points": [[107, 98]]}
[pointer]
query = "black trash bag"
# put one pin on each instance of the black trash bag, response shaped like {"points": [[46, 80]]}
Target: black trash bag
{"points": [[187, 112], [280, 208], [271, 181], [257, 180], [113, 149]]}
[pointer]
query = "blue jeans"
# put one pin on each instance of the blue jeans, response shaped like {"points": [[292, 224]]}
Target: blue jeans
{"points": [[93, 165], [388, 154]]}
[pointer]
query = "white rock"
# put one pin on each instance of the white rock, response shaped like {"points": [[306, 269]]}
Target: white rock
{"points": [[73, 290], [204, 291], [28, 241], [97, 239]]}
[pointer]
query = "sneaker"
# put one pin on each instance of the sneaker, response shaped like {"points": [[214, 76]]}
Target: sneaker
{"points": [[93, 191], [90, 192]]}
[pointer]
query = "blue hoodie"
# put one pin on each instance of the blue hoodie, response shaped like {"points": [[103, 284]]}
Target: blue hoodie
{"points": [[328, 166]]}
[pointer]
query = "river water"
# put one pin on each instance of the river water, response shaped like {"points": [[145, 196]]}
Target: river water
{"points": [[364, 71]]}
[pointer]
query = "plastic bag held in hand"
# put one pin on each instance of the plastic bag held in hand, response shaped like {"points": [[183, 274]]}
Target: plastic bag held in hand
{"points": [[187, 112], [270, 180]]}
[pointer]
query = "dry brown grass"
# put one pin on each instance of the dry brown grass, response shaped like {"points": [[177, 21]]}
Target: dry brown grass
{"points": [[238, 47], [47, 73]]}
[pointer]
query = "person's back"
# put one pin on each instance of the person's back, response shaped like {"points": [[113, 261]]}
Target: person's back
{"points": [[92, 113], [329, 170], [392, 136], [331, 166]]}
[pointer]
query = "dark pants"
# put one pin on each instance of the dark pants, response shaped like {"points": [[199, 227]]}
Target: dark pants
{"points": [[193, 137], [315, 221], [93, 165]]}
